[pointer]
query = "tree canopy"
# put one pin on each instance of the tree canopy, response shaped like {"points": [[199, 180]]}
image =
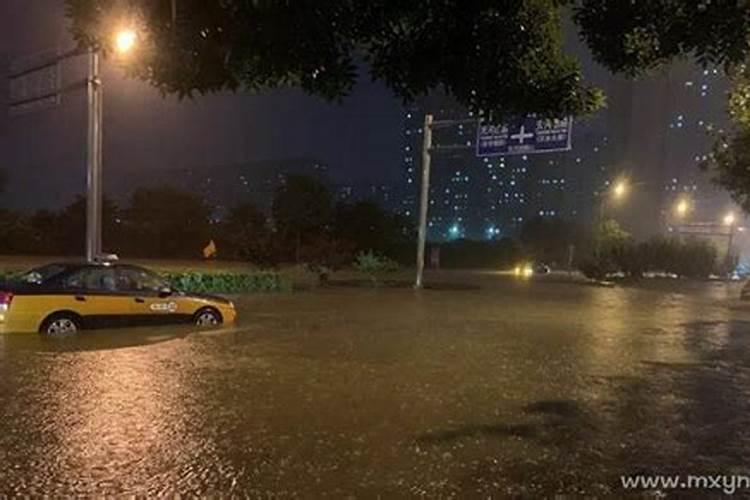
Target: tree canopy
{"points": [[167, 221], [301, 205], [498, 56], [636, 36]]}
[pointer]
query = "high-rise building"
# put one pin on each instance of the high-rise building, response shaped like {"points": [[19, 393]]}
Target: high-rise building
{"points": [[655, 133], [663, 128], [380, 193], [491, 197]]}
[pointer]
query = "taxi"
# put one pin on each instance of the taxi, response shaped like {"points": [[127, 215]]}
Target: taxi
{"points": [[63, 298]]}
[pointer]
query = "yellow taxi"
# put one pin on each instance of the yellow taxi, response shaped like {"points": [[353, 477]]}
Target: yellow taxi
{"points": [[63, 298]]}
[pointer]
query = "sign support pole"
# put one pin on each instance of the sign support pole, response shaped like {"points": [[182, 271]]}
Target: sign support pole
{"points": [[94, 160], [424, 199]]}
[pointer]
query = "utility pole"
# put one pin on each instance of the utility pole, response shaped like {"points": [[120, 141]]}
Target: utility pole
{"points": [[94, 159], [124, 42], [424, 198]]}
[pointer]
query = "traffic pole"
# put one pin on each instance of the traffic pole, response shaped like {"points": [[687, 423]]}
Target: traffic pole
{"points": [[424, 198], [94, 159]]}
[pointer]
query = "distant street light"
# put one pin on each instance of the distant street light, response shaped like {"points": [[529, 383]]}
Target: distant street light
{"points": [[620, 190], [682, 208], [616, 192], [729, 220]]}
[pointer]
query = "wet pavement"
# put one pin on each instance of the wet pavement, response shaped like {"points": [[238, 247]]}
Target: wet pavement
{"points": [[514, 388]]}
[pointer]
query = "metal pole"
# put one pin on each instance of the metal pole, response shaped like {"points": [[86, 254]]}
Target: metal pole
{"points": [[730, 243], [599, 225], [94, 160], [425, 198]]}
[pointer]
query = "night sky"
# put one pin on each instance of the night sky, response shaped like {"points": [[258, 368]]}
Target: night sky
{"points": [[44, 152]]}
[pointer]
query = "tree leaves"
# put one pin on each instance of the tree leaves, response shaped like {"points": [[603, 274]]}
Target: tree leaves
{"points": [[635, 36], [490, 55]]}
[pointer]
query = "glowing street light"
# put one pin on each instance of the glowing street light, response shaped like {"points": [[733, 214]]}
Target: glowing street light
{"points": [[682, 208], [729, 219], [620, 190], [125, 41]]}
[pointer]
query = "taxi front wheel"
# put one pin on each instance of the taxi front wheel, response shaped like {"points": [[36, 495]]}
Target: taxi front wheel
{"points": [[208, 317], [60, 325]]}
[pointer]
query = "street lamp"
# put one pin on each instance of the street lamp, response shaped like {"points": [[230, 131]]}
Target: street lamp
{"points": [[124, 42], [729, 219], [682, 208], [616, 192], [620, 190]]}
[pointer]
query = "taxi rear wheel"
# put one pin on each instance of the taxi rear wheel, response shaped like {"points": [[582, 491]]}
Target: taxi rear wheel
{"points": [[61, 325], [208, 317]]}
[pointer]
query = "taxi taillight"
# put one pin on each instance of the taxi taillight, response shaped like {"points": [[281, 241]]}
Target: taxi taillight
{"points": [[5, 299]]}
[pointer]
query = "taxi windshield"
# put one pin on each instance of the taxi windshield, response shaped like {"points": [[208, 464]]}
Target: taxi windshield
{"points": [[40, 275]]}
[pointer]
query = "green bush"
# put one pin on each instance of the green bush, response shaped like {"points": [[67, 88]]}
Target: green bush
{"points": [[200, 282], [692, 258], [371, 263], [697, 259], [6, 276]]}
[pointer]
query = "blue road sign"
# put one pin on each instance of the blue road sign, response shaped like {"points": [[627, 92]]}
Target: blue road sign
{"points": [[525, 136]]}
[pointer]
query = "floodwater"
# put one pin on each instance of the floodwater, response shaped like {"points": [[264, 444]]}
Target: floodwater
{"points": [[515, 388]]}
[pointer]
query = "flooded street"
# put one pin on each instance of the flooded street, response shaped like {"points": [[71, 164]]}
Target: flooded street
{"points": [[530, 388]]}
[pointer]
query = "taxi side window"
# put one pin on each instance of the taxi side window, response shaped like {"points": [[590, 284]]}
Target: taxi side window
{"points": [[92, 279], [138, 280]]}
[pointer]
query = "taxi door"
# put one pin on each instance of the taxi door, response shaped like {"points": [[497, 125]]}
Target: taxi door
{"points": [[149, 305], [92, 293]]}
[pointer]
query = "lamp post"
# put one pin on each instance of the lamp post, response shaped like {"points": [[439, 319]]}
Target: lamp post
{"points": [[616, 192], [124, 42], [94, 159], [729, 221]]}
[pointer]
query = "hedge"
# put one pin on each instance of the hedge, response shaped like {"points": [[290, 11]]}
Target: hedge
{"points": [[201, 282], [7, 276], [257, 282]]}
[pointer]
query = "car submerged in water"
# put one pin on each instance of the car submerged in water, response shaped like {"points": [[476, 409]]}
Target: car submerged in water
{"points": [[63, 298]]}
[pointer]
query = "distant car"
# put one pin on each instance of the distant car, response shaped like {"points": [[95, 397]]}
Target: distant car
{"points": [[540, 268], [63, 298], [524, 270]]}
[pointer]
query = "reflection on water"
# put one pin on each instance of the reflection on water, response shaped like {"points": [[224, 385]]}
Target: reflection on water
{"points": [[520, 388]]}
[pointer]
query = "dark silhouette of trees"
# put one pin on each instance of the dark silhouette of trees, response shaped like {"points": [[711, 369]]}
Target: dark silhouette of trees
{"points": [[368, 227], [166, 222], [302, 208]]}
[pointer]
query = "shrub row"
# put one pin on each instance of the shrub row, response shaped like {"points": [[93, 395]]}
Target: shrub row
{"points": [[8, 275], [200, 282], [691, 258]]}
